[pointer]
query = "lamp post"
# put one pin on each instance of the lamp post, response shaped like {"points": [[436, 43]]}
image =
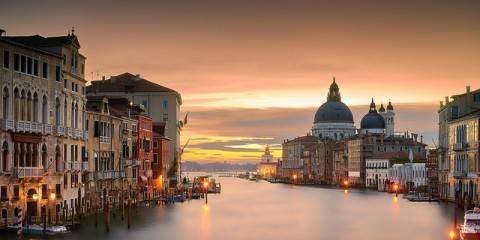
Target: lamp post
{"points": [[294, 178], [205, 185], [395, 188]]}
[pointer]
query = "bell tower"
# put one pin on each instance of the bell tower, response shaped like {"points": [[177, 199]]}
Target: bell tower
{"points": [[389, 117]]}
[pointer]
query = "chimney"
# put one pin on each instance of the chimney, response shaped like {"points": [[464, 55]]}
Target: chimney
{"points": [[2, 32], [103, 78], [468, 89], [137, 77], [446, 100], [441, 103], [421, 138]]}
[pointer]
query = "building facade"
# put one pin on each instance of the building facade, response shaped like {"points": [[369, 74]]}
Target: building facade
{"points": [[267, 168], [292, 164], [42, 130]]}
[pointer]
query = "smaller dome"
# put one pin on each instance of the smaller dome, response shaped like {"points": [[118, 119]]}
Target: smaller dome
{"points": [[372, 120]]}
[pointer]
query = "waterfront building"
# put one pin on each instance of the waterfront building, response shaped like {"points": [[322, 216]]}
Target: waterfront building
{"points": [[160, 164], [292, 164], [410, 176], [377, 172], [105, 178], [42, 132], [320, 162], [144, 153], [458, 147], [432, 172], [267, 168], [340, 160], [364, 146], [333, 119], [162, 104]]}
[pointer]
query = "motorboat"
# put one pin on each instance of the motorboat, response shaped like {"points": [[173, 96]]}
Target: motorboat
{"points": [[470, 229], [38, 229]]}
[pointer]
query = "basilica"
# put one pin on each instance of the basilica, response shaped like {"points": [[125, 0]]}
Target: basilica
{"points": [[334, 120]]}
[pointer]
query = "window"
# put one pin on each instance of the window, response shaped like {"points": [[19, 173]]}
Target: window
{"points": [[155, 158], [64, 59], [83, 68], [476, 98], [6, 59], [57, 73], [65, 181], [3, 193], [29, 65], [16, 62], [44, 191], [165, 104], [23, 64], [16, 192], [45, 70], [73, 87], [35, 67], [454, 111], [155, 144], [144, 103], [58, 191]]}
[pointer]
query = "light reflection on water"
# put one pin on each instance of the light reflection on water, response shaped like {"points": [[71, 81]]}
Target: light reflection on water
{"points": [[260, 210]]}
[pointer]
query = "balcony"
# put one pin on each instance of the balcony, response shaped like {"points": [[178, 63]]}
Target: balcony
{"points": [[132, 162], [60, 130], [22, 172], [7, 124], [109, 175], [85, 135], [85, 166], [458, 147], [149, 173], [459, 174], [77, 166], [104, 139], [47, 129], [69, 132]]}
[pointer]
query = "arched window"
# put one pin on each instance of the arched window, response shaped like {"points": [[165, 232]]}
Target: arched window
{"points": [[65, 119], [45, 109], [44, 157], [29, 107], [6, 102], [5, 157], [76, 115], [57, 111], [58, 159], [4, 213], [35, 156], [35, 107], [23, 102], [28, 155], [16, 105], [72, 116]]}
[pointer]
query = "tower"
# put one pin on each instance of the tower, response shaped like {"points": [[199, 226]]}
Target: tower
{"points": [[388, 116]]}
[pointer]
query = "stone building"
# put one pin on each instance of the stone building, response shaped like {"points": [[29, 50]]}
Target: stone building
{"points": [[458, 147], [292, 164], [340, 161], [42, 132], [432, 172], [162, 104], [160, 164], [321, 161]]}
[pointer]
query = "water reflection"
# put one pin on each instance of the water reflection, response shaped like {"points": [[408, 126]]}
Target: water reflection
{"points": [[260, 210]]}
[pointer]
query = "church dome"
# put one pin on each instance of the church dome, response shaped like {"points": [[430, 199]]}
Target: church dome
{"points": [[372, 120], [334, 110]]}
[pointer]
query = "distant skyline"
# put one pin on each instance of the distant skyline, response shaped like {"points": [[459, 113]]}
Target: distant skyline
{"points": [[254, 72]]}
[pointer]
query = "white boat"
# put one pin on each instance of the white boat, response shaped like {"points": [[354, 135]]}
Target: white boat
{"points": [[252, 176], [38, 229], [470, 230]]}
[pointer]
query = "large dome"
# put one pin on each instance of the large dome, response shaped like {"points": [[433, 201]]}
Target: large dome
{"points": [[333, 111]]}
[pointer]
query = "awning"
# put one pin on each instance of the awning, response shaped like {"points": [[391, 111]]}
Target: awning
{"points": [[143, 178]]}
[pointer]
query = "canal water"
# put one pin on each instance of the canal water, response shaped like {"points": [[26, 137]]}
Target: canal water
{"points": [[261, 210]]}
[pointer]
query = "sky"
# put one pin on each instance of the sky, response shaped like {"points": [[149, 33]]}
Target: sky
{"points": [[253, 73]]}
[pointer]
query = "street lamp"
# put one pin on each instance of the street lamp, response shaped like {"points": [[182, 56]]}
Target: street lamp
{"points": [[35, 196], [294, 178], [395, 188], [451, 234], [205, 185]]}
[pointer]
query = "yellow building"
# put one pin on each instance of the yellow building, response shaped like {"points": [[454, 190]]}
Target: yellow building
{"points": [[267, 168]]}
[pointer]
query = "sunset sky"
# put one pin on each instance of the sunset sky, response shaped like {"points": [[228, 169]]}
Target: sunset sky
{"points": [[253, 72]]}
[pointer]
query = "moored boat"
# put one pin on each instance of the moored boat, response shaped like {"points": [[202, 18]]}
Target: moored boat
{"points": [[470, 229], [38, 229]]}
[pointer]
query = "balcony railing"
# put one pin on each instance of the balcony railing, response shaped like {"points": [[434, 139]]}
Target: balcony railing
{"points": [[47, 129], [69, 131], [84, 166], [132, 162], [459, 174], [104, 139], [460, 147], [60, 130], [85, 135], [7, 124], [109, 175], [77, 166], [22, 172]]}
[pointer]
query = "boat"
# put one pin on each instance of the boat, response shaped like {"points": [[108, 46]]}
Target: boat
{"points": [[252, 176], [470, 230], [38, 229]]}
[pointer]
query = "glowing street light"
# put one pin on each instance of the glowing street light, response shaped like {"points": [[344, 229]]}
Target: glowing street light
{"points": [[52, 196], [294, 178], [205, 186], [395, 188], [451, 234], [345, 183], [35, 196]]}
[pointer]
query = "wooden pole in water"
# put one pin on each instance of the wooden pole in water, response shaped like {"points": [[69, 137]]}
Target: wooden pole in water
{"points": [[96, 215], [128, 213], [107, 216]]}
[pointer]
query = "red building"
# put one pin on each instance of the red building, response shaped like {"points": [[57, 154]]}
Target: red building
{"points": [[144, 155], [160, 164]]}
